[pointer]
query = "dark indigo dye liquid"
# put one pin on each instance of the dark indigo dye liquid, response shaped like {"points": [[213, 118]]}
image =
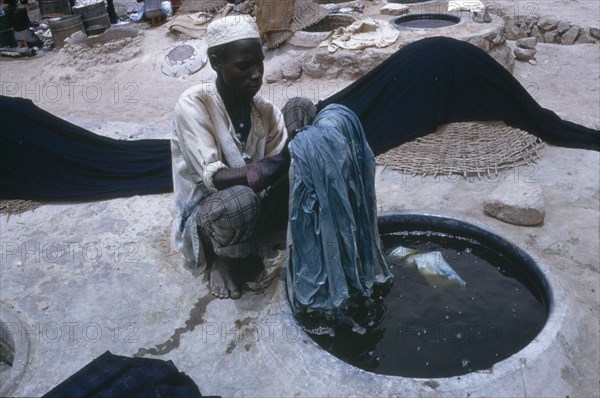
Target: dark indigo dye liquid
{"points": [[425, 23], [438, 329]]}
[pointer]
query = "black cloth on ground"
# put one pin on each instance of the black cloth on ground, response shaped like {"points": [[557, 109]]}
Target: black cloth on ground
{"points": [[441, 80], [427, 83], [43, 157], [114, 376]]}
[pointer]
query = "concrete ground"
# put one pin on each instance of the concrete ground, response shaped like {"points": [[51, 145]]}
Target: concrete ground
{"points": [[89, 277]]}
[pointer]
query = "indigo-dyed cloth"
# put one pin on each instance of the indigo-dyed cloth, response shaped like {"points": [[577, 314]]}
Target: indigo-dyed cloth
{"points": [[441, 80], [114, 376], [334, 251], [43, 157], [426, 83]]}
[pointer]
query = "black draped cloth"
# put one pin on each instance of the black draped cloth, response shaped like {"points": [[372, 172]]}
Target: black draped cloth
{"points": [[43, 157], [427, 83], [442, 80]]}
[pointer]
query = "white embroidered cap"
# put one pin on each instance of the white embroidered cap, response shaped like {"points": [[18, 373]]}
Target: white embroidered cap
{"points": [[231, 28]]}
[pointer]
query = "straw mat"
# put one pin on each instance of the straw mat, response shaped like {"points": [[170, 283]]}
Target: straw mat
{"points": [[466, 149], [17, 206]]}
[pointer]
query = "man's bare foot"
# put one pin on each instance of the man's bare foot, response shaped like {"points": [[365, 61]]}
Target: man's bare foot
{"points": [[222, 283]]}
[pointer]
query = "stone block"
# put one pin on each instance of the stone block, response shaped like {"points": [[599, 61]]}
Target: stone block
{"points": [[570, 35], [480, 42], [563, 26], [273, 76], [503, 55], [550, 37], [584, 37], [595, 32], [524, 54], [535, 32], [498, 39], [313, 70], [291, 69], [548, 23], [511, 30], [527, 42], [77, 38], [394, 9], [517, 203]]}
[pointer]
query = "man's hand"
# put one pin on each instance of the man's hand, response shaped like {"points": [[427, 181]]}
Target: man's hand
{"points": [[265, 172]]}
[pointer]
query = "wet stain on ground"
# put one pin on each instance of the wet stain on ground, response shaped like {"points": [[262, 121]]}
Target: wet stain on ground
{"points": [[246, 332], [172, 342]]}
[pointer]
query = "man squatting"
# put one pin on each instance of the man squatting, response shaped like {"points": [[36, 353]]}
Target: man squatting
{"points": [[229, 149]]}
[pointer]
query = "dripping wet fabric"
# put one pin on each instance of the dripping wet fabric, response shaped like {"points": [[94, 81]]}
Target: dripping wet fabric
{"points": [[442, 80], [334, 249], [43, 157]]}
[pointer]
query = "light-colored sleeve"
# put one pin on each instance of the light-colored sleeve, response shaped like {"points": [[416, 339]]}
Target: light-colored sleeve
{"points": [[195, 133], [276, 132]]}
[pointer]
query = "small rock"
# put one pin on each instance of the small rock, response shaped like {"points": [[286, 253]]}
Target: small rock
{"points": [[584, 37], [524, 54], [532, 62], [570, 35], [291, 70], [518, 203], [274, 75], [480, 42], [498, 39], [394, 9], [527, 42], [477, 17], [563, 26], [547, 23], [481, 16], [77, 38], [550, 37], [535, 32], [511, 30], [595, 32]]}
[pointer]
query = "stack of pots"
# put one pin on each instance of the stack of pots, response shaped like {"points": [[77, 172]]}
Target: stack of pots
{"points": [[95, 17]]}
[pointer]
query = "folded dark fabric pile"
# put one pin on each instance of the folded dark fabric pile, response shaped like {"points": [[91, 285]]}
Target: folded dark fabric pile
{"points": [[114, 376]]}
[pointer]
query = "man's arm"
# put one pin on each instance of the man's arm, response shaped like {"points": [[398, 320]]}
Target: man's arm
{"points": [[257, 175]]}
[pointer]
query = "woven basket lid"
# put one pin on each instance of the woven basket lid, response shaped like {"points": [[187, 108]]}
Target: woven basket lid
{"points": [[182, 61], [466, 148]]}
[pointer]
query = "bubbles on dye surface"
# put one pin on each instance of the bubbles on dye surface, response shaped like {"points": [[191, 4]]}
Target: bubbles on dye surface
{"points": [[465, 363]]}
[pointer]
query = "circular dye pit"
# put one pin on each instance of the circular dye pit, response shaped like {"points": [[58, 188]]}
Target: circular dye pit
{"points": [[330, 23], [313, 35], [425, 21], [14, 352], [427, 326]]}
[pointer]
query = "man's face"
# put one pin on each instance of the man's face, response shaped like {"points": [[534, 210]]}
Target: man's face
{"points": [[242, 68]]}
